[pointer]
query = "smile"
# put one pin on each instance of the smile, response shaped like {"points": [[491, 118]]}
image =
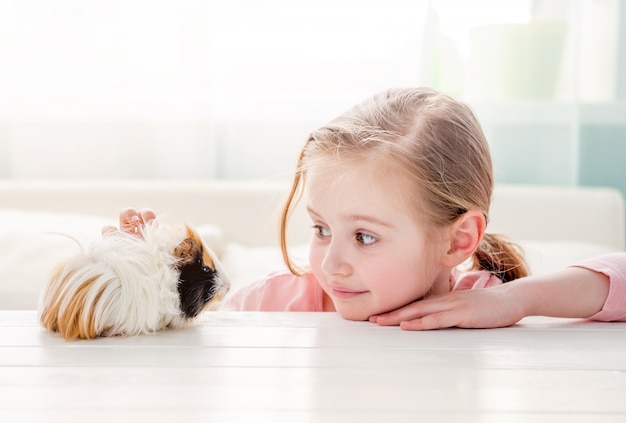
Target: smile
{"points": [[344, 293]]}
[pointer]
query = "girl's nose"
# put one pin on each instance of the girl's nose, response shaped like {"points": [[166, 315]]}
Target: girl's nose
{"points": [[336, 260]]}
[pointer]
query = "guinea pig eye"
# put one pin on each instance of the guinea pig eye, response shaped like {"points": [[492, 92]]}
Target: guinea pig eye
{"points": [[206, 269]]}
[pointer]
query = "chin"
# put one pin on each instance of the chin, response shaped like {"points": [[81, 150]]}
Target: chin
{"points": [[349, 313], [125, 284]]}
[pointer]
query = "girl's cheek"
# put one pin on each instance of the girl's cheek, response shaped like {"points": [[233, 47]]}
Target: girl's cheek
{"points": [[316, 259], [316, 255]]}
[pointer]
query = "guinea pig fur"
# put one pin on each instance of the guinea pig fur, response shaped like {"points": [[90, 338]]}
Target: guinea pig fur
{"points": [[133, 284]]}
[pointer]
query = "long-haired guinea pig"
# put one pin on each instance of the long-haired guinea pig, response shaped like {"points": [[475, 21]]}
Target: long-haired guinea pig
{"points": [[132, 284]]}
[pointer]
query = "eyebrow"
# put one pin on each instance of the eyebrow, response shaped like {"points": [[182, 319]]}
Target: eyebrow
{"points": [[358, 218]]}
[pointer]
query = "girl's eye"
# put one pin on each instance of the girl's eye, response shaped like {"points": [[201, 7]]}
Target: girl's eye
{"points": [[365, 239], [321, 231]]}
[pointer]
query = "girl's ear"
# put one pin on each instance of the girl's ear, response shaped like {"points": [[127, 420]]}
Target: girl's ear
{"points": [[465, 235]]}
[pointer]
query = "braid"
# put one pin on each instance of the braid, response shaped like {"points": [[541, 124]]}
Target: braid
{"points": [[501, 257]]}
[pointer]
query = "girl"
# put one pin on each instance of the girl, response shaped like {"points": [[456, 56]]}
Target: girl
{"points": [[398, 190]]}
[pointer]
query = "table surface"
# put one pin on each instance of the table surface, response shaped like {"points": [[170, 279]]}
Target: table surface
{"points": [[305, 367]]}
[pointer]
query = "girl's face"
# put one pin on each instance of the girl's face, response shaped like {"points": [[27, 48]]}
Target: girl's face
{"points": [[368, 252]]}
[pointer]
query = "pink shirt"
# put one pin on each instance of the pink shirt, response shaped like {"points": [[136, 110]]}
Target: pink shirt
{"points": [[280, 291], [283, 291], [614, 266]]}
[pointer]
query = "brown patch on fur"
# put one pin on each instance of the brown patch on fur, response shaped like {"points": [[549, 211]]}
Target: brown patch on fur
{"points": [[187, 251], [71, 322], [51, 308], [74, 323]]}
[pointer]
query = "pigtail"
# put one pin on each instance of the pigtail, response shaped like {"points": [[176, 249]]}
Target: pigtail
{"points": [[500, 256]]}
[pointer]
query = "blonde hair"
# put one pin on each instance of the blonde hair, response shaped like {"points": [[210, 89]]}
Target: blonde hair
{"points": [[438, 143]]}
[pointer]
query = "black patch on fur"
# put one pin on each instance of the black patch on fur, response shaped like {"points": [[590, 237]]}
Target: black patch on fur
{"points": [[196, 286]]}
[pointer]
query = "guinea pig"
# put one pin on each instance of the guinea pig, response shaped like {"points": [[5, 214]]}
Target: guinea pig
{"points": [[133, 284]]}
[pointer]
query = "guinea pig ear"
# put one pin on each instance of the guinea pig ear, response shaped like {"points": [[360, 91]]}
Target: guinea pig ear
{"points": [[186, 251]]}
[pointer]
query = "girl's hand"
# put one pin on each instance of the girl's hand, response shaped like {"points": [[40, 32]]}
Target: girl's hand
{"points": [[473, 308], [131, 221], [572, 292]]}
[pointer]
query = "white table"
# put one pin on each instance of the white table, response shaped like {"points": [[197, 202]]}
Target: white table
{"points": [[304, 367]]}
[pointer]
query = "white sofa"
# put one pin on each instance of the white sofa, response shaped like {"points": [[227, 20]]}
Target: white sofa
{"points": [[239, 220]]}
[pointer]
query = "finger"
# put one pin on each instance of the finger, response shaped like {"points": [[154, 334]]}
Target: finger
{"points": [[128, 214], [431, 321], [409, 312], [387, 319], [417, 310], [130, 221], [147, 215]]}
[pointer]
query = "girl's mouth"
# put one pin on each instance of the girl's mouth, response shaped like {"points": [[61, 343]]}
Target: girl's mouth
{"points": [[344, 293]]}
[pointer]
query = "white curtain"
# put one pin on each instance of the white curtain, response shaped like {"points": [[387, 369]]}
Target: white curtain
{"points": [[204, 89], [231, 88]]}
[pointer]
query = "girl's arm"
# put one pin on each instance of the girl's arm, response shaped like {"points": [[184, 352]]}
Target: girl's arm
{"points": [[594, 289]]}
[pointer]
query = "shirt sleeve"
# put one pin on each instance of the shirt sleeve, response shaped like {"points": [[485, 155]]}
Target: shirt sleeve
{"points": [[614, 267]]}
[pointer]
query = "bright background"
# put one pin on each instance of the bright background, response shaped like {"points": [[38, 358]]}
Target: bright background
{"points": [[229, 89]]}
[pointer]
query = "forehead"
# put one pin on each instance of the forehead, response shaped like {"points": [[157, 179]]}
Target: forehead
{"points": [[358, 185]]}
